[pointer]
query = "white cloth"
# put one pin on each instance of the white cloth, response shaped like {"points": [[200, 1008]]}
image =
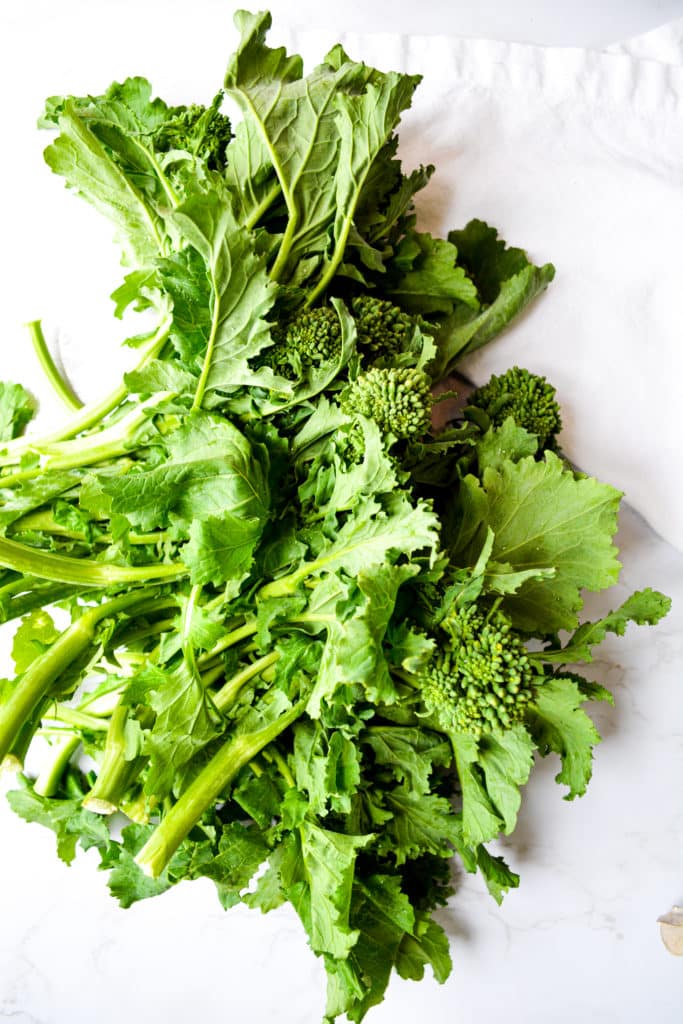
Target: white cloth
{"points": [[576, 156]]}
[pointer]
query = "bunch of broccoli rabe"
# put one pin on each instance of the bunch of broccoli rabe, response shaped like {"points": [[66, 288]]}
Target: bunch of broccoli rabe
{"points": [[300, 618]]}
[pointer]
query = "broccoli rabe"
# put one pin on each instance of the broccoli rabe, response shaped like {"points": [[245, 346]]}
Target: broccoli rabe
{"points": [[482, 678], [527, 398], [200, 130], [398, 400], [383, 329], [309, 338]]}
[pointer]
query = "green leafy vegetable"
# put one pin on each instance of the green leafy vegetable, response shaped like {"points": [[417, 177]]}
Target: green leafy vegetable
{"points": [[294, 623]]}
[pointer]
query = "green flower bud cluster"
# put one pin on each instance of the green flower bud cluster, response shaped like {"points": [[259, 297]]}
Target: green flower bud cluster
{"points": [[383, 329], [483, 680], [308, 339], [524, 396], [196, 129], [398, 400]]}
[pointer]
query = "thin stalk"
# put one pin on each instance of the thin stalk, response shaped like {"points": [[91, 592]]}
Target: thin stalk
{"points": [[153, 629], [186, 629], [115, 771], [97, 707], [278, 760], [280, 263], [37, 597], [90, 415], [60, 386], [213, 780], [208, 358], [82, 572], [273, 192], [74, 717], [287, 193], [229, 640], [336, 256], [171, 193], [228, 694], [212, 676], [49, 778], [41, 675], [44, 522], [101, 446]]}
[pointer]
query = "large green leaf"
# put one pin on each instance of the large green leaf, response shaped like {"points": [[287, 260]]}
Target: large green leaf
{"points": [[211, 469], [241, 294], [354, 650], [425, 277], [79, 157], [543, 517], [322, 133], [318, 877]]}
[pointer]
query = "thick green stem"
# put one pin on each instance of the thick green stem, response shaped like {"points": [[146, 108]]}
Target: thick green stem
{"points": [[114, 774], [14, 759], [211, 676], [50, 776], [60, 386], [227, 695], [205, 789], [81, 571], [42, 674], [136, 808], [90, 415]]}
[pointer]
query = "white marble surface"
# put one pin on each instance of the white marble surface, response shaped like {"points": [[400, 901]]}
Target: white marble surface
{"points": [[578, 941]]}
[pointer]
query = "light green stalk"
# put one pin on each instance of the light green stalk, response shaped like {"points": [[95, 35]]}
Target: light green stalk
{"points": [[90, 415], [101, 446], [114, 773], [42, 674], [213, 781], [47, 782], [82, 572], [228, 694], [60, 386]]}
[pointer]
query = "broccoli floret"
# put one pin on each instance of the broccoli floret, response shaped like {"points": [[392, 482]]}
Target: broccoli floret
{"points": [[524, 396], [398, 400], [315, 334], [307, 339], [196, 129], [482, 679], [383, 329]]}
